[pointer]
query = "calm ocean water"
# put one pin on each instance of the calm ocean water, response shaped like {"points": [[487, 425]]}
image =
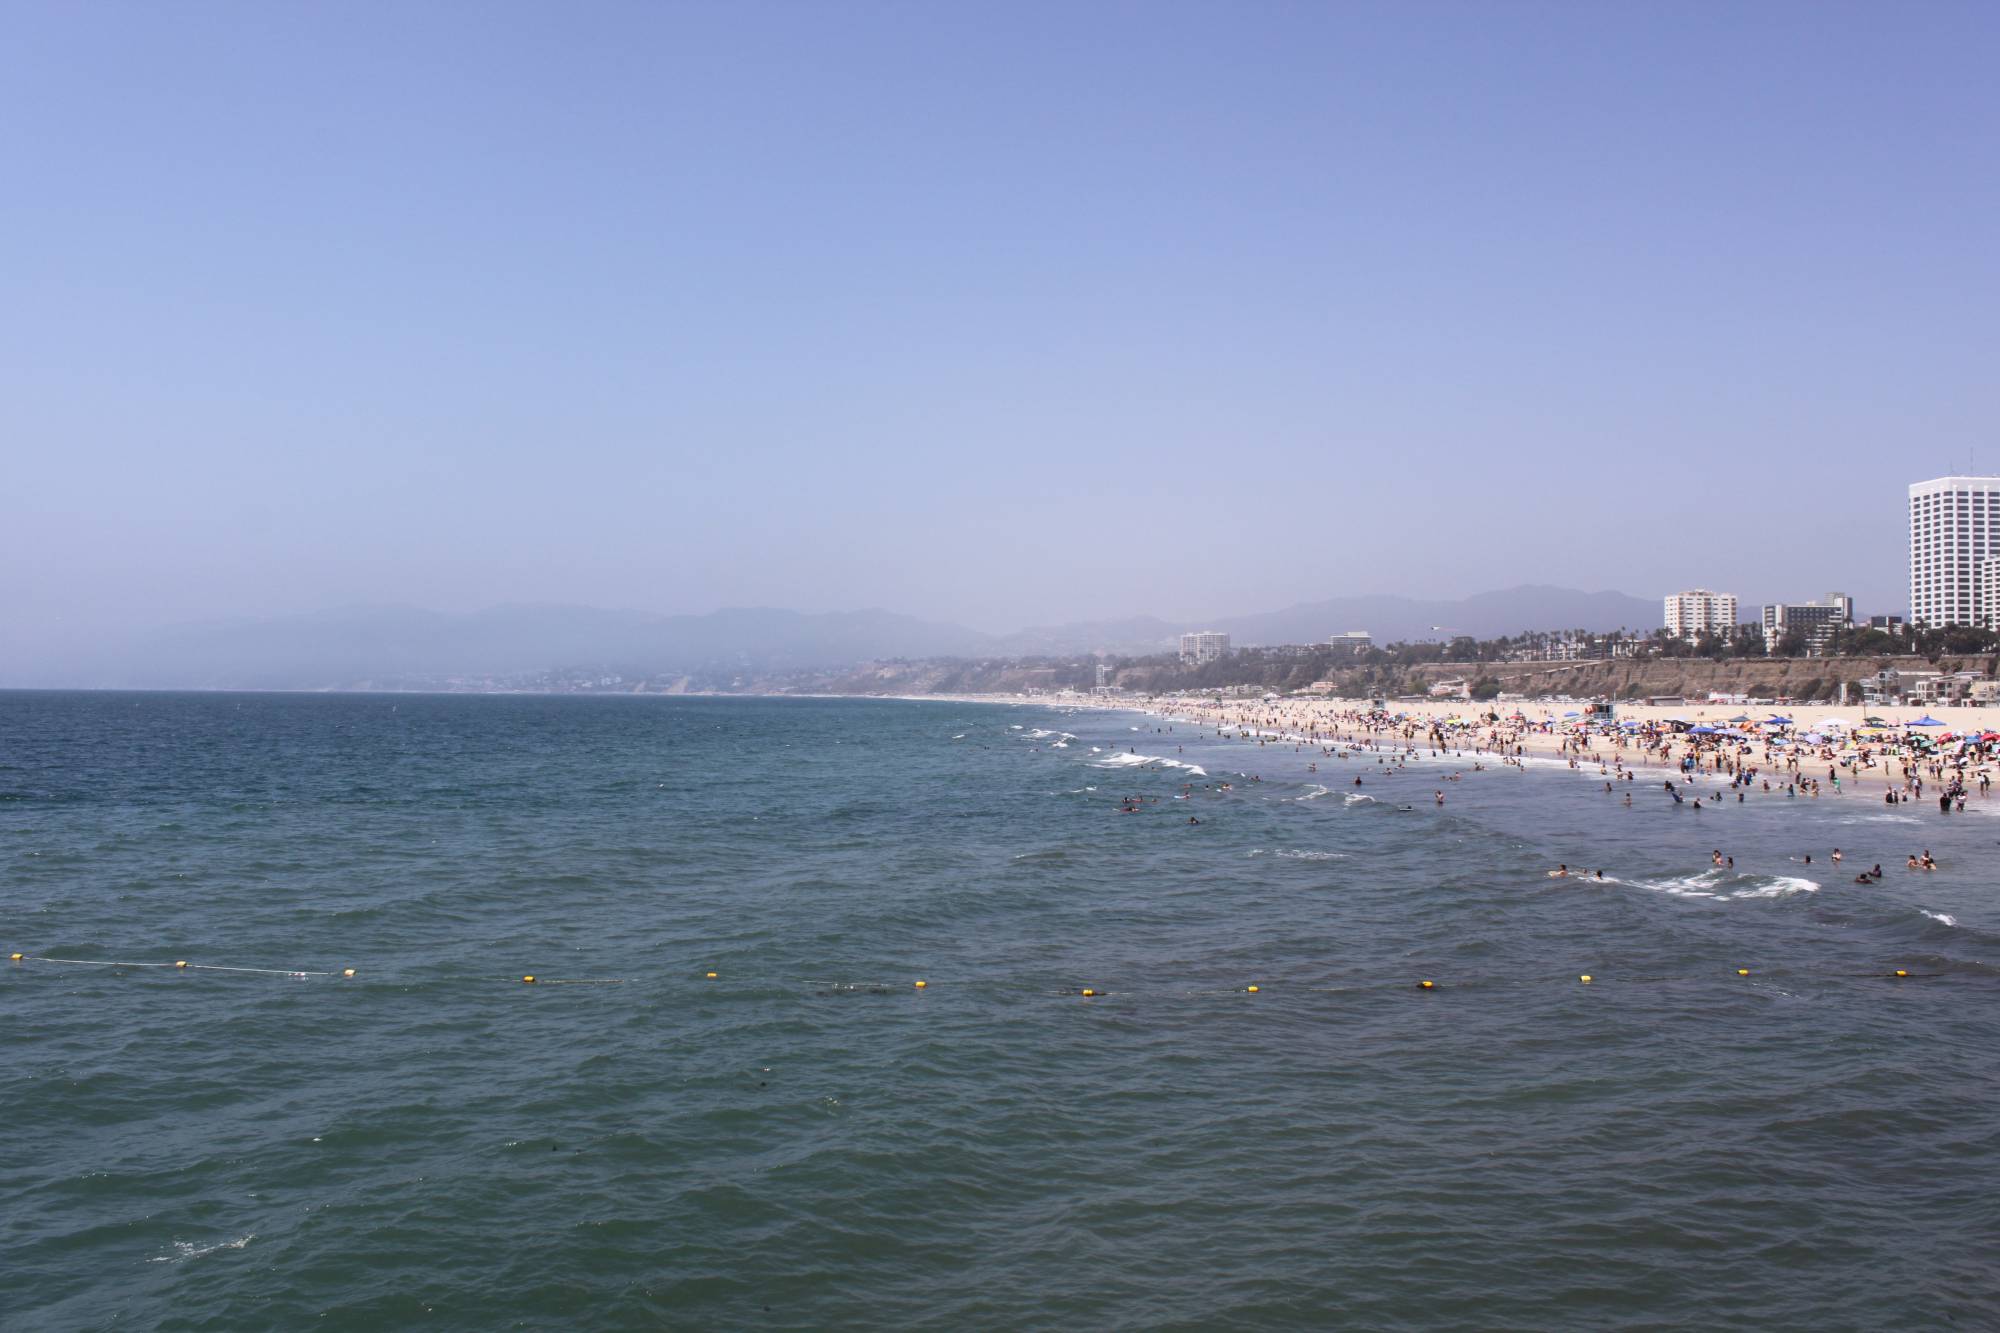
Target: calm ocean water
{"points": [[810, 1141]]}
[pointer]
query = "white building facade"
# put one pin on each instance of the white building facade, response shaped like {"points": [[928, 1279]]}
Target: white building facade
{"points": [[1203, 646], [1954, 530], [1816, 622], [1689, 613]]}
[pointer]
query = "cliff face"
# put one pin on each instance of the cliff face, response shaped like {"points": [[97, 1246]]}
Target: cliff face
{"points": [[1797, 678], [1814, 678]]}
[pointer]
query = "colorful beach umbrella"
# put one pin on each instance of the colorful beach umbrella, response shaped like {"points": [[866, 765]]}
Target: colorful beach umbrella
{"points": [[1925, 721]]}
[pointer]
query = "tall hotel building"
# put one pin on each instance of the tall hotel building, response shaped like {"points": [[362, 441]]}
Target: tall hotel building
{"points": [[1203, 646], [1954, 532], [1689, 613]]}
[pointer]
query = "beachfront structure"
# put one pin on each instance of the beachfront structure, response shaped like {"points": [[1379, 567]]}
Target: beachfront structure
{"points": [[1355, 642], [1817, 622], [1203, 646], [1954, 530], [1689, 613]]}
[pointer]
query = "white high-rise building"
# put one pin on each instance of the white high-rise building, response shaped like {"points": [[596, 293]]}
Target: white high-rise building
{"points": [[1818, 621], [1203, 646], [1689, 613], [1954, 527]]}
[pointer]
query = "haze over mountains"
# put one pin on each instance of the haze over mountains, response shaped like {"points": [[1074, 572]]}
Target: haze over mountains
{"points": [[358, 645]]}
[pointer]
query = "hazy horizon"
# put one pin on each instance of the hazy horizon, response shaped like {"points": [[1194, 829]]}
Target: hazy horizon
{"points": [[998, 318]]}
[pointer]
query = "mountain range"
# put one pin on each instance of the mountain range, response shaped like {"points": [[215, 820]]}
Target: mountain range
{"points": [[374, 644]]}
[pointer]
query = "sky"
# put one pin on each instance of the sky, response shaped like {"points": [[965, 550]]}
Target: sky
{"points": [[1002, 314]]}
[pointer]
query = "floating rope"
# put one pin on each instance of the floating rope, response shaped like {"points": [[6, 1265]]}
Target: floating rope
{"points": [[920, 985]]}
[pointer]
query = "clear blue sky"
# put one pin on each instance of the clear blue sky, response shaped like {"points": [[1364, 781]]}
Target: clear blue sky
{"points": [[1004, 314]]}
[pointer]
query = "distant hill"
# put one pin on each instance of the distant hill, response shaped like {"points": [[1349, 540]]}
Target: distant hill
{"points": [[1486, 615], [353, 645], [381, 645]]}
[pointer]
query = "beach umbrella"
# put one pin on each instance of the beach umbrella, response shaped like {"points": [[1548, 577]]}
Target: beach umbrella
{"points": [[1701, 731], [1572, 715], [1813, 738], [1925, 721], [1775, 720], [1740, 717]]}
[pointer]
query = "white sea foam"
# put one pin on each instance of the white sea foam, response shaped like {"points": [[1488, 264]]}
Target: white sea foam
{"points": [[1316, 792], [1358, 798], [959, 737], [1301, 854], [187, 1249], [1942, 918], [1146, 760], [1722, 884]]}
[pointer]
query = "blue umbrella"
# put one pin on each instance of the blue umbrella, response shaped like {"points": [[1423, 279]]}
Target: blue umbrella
{"points": [[1925, 721], [1784, 721], [1572, 715], [1701, 731]]}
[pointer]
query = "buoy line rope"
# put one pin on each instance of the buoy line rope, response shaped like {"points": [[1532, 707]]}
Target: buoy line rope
{"points": [[1046, 988]]}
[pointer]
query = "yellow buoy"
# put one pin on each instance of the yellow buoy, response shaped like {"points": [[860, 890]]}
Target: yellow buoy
{"points": [[347, 972], [1899, 971], [530, 978], [922, 984], [1088, 991], [1426, 985], [182, 963], [15, 957], [1251, 989], [711, 976], [1742, 971], [1585, 978]]}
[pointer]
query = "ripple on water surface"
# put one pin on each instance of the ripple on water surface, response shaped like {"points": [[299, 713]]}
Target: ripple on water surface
{"points": [[1744, 1116]]}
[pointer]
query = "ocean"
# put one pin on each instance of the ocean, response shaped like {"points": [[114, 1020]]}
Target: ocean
{"points": [[809, 1139]]}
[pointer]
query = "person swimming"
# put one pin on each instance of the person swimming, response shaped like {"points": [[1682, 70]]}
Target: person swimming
{"points": [[1560, 872]]}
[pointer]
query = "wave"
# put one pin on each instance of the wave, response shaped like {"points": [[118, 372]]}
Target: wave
{"points": [[1942, 918], [1292, 854], [1358, 798], [1725, 885], [187, 1249], [1316, 792], [1147, 760]]}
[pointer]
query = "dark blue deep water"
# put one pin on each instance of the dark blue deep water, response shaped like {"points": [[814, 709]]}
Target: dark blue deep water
{"points": [[810, 1141]]}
